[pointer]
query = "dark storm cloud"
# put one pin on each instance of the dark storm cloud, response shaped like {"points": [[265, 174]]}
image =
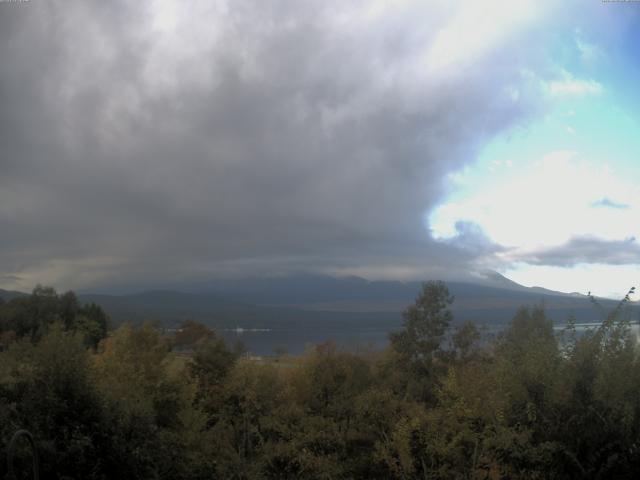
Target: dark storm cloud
{"points": [[254, 137], [471, 239], [588, 250]]}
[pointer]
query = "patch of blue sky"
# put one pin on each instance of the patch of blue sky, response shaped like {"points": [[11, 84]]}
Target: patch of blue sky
{"points": [[589, 135], [597, 129]]}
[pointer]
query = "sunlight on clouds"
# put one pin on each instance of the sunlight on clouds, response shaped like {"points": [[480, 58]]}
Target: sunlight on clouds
{"points": [[177, 44], [478, 26], [566, 211], [165, 15], [328, 127], [546, 204]]}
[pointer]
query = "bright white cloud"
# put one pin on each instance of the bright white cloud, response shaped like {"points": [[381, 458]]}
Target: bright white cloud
{"points": [[477, 27], [546, 204], [555, 214]]}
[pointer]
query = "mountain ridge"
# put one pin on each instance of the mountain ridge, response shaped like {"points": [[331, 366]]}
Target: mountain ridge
{"points": [[299, 311]]}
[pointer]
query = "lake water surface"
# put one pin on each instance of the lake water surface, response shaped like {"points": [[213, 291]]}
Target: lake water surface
{"points": [[295, 340]]}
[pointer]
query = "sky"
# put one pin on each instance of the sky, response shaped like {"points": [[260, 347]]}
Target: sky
{"points": [[159, 143]]}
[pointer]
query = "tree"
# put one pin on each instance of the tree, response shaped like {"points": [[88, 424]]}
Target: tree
{"points": [[92, 322], [190, 334], [32, 316], [153, 429], [249, 396], [210, 364], [417, 361], [425, 323], [464, 339], [47, 389]]}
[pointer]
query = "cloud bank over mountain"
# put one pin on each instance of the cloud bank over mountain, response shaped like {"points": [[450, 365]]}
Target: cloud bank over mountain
{"points": [[149, 140]]}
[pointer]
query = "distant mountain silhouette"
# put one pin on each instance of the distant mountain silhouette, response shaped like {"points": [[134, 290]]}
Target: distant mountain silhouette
{"points": [[261, 302], [335, 305], [9, 294], [300, 310], [308, 289]]}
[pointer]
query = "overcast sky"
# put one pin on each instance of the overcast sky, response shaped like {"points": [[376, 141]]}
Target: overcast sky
{"points": [[145, 144]]}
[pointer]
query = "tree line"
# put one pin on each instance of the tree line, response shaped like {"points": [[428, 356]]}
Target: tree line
{"points": [[138, 402]]}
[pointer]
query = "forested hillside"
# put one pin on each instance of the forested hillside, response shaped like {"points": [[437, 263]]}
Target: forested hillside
{"points": [[140, 402]]}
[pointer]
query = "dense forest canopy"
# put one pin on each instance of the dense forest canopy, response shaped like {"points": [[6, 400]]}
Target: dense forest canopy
{"points": [[439, 402]]}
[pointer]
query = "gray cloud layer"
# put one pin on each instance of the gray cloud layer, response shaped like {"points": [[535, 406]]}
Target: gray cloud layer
{"points": [[250, 137], [587, 250]]}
